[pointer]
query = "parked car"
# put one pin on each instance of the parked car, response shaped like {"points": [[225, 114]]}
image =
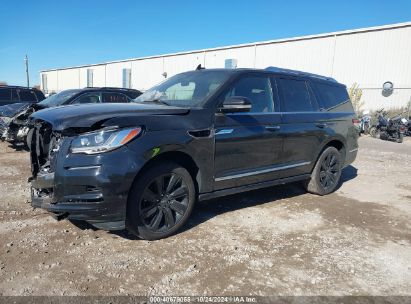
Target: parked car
{"points": [[198, 135], [16, 129], [15, 94]]}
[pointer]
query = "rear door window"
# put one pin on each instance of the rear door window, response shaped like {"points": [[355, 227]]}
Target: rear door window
{"points": [[114, 97], [296, 96], [27, 95], [5, 95], [331, 95]]}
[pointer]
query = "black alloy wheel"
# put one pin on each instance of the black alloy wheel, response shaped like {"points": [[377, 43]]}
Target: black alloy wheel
{"points": [[326, 173], [164, 202], [329, 171], [160, 201]]}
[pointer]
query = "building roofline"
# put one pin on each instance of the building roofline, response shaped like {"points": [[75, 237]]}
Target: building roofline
{"points": [[282, 40]]}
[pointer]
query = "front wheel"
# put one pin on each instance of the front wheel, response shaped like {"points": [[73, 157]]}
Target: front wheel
{"points": [[326, 174], [400, 138], [374, 132], [160, 201], [366, 129]]}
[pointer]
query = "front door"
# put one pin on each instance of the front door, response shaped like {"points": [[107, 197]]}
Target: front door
{"points": [[248, 146]]}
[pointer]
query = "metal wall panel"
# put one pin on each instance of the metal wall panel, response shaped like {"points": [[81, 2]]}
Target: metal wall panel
{"points": [[244, 56], [366, 57], [99, 76], [68, 79], [146, 73], [182, 63], [314, 55], [114, 73], [370, 59]]}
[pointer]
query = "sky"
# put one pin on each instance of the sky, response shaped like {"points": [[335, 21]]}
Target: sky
{"points": [[66, 33]]}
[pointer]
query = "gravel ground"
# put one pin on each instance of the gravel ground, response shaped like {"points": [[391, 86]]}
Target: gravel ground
{"points": [[276, 241]]}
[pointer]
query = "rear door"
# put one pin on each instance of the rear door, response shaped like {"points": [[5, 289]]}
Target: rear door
{"points": [[304, 125], [248, 146]]}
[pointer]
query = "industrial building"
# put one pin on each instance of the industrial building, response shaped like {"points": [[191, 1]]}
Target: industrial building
{"points": [[368, 56]]}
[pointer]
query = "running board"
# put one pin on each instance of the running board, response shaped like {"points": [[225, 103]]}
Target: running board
{"points": [[231, 191]]}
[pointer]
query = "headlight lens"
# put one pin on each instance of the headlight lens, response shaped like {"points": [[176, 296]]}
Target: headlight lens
{"points": [[103, 140], [4, 119]]}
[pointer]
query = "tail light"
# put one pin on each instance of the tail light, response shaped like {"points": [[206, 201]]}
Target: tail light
{"points": [[402, 128], [356, 122]]}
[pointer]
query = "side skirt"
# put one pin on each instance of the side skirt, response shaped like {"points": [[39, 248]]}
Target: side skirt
{"points": [[231, 191]]}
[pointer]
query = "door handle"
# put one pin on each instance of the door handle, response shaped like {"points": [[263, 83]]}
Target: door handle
{"points": [[321, 125], [272, 128]]}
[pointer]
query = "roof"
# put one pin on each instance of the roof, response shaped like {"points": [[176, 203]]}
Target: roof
{"points": [[17, 87], [307, 37], [108, 89]]}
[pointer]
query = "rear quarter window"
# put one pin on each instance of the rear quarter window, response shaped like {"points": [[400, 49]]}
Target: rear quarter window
{"points": [[331, 95]]}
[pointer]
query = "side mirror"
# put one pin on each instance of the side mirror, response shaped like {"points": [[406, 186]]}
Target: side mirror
{"points": [[235, 104]]}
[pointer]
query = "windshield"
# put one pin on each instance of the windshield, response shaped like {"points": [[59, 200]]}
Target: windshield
{"points": [[58, 99], [188, 90]]}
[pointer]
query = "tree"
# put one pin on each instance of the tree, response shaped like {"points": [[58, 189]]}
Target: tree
{"points": [[355, 94]]}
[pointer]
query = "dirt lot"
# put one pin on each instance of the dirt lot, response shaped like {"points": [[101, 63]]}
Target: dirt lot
{"points": [[278, 241]]}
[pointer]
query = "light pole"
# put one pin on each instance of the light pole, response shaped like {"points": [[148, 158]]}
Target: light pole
{"points": [[26, 60]]}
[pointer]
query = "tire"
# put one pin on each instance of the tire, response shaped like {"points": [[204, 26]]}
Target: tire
{"points": [[400, 138], [326, 173], [366, 129], [373, 131], [160, 201]]}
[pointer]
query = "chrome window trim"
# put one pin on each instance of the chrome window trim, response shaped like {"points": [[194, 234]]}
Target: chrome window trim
{"points": [[256, 172]]}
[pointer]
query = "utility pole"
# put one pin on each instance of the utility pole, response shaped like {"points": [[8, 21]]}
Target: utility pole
{"points": [[26, 60]]}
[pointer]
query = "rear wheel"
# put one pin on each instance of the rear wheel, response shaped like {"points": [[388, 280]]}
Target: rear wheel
{"points": [[326, 174], [160, 201]]}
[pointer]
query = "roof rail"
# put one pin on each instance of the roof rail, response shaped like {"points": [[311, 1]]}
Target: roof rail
{"points": [[99, 88], [298, 73]]}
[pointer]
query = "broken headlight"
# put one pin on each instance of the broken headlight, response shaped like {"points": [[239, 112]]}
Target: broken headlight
{"points": [[103, 140]]}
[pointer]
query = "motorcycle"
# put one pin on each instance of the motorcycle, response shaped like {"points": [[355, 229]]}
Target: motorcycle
{"points": [[407, 124], [365, 122], [388, 128]]}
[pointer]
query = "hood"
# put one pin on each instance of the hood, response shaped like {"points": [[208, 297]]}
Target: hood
{"points": [[11, 110], [88, 115]]}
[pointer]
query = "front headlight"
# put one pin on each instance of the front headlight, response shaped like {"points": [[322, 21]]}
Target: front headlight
{"points": [[4, 120], [103, 140]]}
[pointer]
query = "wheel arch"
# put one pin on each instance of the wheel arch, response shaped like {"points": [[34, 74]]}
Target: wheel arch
{"points": [[336, 142], [178, 157]]}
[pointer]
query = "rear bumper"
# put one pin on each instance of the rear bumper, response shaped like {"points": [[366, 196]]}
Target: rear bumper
{"points": [[93, 188]]}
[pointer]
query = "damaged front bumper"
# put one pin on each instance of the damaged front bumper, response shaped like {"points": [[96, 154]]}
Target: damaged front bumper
{"points": [[93, 188]]}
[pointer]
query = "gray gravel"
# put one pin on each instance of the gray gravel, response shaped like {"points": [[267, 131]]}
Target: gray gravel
{"points": [[276, 241]]}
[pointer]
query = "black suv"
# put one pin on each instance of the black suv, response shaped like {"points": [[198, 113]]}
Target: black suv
{"points": [[198, 135], [15, 94], [14, 127]]}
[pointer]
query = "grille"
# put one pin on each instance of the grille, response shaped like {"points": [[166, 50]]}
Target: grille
{"points": [[40, 147]]}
